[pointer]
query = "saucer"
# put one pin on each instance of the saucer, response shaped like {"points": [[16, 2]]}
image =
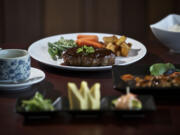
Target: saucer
{"points": [[35, 73]]}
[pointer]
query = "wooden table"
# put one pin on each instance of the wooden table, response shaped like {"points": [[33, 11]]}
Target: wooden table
{"points": [[166, 120]]}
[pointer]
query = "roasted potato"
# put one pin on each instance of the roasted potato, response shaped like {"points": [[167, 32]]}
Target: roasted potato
{"points": [[124, 49], [111, 47], [117, 45], [118, 53], [121, 40], [112, 39]]}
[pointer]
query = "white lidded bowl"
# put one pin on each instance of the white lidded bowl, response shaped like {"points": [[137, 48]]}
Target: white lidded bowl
{"points": [[161, 30]]}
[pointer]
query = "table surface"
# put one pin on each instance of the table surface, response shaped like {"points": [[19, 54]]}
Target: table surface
{"points": [[165, 120]]}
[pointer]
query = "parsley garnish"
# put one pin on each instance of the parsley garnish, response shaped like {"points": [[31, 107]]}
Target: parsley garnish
{"points": [[85, 50]]}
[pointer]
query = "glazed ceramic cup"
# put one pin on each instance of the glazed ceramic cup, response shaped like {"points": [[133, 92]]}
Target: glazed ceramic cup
{"points": [[15, 65]]}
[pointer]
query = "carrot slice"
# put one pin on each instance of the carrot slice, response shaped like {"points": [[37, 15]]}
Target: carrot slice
{"points": [[87, 36], [82, 42], [90, 39]]}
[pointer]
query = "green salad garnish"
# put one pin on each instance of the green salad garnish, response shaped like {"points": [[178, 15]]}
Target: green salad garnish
{"points": [[136, 104], [114, 101], [55, 49], [37, 103], [85, 50], [161, 68]]}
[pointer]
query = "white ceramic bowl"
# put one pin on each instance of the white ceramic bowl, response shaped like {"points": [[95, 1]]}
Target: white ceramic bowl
{"points": [[162, 32]]}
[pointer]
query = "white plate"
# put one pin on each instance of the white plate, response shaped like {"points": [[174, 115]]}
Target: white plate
{"points": [[39, 51], [34, 73]]}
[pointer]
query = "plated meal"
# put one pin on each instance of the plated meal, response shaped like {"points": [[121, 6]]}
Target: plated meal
{"points": [[87, 51], [153, 77], [162, 75]]}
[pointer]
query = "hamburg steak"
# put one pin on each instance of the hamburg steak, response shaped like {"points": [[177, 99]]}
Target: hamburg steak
{"points": [[97, 57]]}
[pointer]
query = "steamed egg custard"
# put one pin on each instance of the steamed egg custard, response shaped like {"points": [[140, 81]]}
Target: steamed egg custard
{"points": [[84, 98], [174, 28]]}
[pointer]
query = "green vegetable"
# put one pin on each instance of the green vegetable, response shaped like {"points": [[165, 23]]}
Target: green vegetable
{"points": [[37, 103], [136, 104], [85, 50], [79, 50], [114, 102], [55, 49], [160, 68]]}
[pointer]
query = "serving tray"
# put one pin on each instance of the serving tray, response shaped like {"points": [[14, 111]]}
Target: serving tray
{"points": [[148, 105]]}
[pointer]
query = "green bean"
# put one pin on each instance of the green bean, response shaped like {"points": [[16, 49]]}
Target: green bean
{"points": [[56, 49]]}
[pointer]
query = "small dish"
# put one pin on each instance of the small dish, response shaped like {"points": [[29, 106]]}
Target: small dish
{"points": [[19, 86], [139, 70], [169, 38]]}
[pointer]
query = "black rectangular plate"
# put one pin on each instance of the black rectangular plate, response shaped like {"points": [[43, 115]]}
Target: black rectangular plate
{"points": [[139, 70], [106, 107]]}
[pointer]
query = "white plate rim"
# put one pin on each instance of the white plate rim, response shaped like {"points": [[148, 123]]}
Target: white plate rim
{"points": [[78, 68]]}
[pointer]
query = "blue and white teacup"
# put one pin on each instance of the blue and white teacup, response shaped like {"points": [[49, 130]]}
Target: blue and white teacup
{"points": [[15, 65]]}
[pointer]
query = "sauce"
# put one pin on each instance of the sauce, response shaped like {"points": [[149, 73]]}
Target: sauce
{"points": [[99, 53]]}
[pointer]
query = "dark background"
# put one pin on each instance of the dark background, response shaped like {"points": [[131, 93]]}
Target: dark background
{"points": [[25, 21]]}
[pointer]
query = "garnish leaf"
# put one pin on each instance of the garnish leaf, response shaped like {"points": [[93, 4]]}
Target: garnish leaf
{"points": [[114, 102], [85, 50], [136, 104], [160, 68]]}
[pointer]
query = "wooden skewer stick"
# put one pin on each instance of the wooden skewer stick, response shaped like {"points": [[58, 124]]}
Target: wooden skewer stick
{"points": [[127, 90]]}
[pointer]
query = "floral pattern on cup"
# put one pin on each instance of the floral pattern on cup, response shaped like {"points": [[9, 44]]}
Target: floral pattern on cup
{"points": [[15, 69]]}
